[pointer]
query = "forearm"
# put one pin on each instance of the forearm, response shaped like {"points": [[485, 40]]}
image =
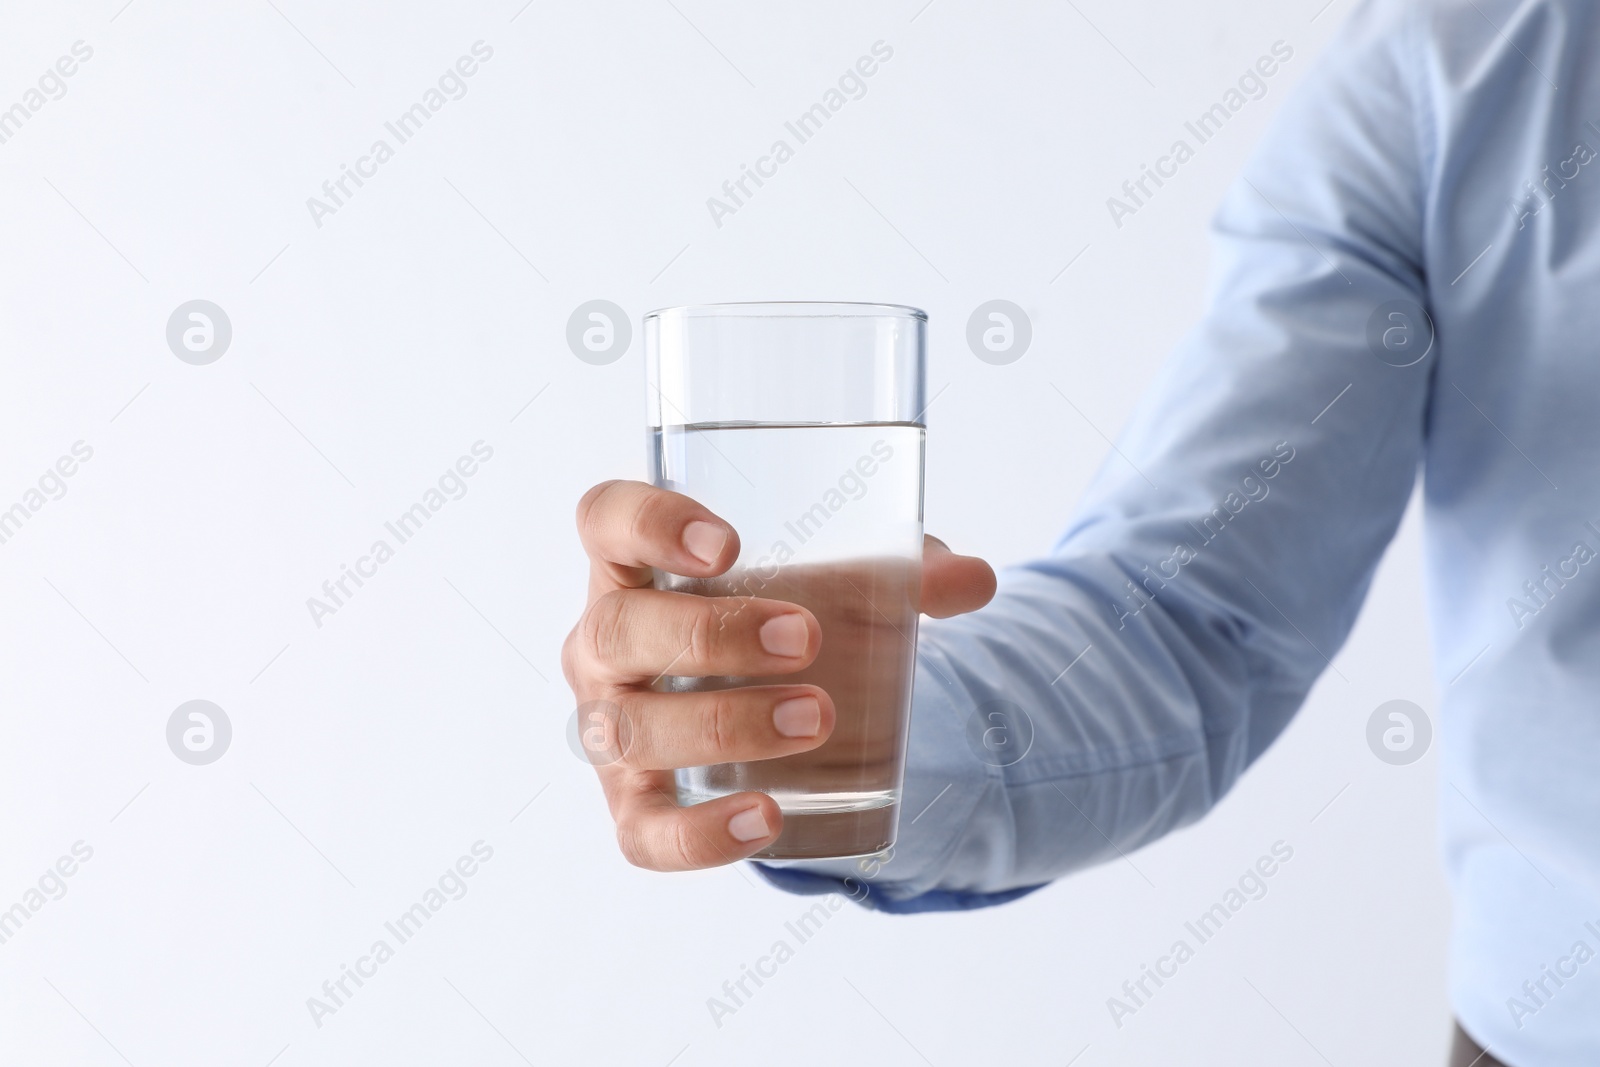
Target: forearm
{"points": [[1220, 557]]}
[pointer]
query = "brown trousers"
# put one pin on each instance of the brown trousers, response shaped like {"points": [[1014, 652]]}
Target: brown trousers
{"points": [[1465, 1052]]}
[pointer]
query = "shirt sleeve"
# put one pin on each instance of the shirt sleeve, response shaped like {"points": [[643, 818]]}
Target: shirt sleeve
{"points": [[1116, 688]]}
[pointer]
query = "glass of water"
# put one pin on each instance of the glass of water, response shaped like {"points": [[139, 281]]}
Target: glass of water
{"points": [[801, 425]]}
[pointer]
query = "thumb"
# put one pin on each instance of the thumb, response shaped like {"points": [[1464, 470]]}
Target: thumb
{"points": [[952, 584]]}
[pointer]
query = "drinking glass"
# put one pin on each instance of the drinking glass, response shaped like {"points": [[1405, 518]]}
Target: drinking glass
{"points": [[801, 425]]}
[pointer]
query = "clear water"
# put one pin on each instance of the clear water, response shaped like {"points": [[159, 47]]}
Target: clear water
{"points": [[829, 516]]}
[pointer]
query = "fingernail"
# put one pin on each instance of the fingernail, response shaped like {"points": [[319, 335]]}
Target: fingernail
{"points": [[798, 717], [785, 635], [748, 825], [704, 540]]}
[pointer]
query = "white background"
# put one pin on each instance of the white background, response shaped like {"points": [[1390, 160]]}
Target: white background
{"points": [[372, 351]]}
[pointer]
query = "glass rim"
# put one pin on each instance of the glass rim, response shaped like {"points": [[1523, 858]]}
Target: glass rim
{"points": [[793, 309]]}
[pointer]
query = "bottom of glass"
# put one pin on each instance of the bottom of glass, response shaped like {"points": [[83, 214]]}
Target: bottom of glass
{"points": [[819, 826]]}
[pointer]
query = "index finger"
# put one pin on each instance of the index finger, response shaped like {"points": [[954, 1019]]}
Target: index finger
{"points": [[629, 527]]}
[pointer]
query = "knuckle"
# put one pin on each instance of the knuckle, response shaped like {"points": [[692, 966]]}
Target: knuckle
{"points": [[683, 840], [569, 657], [630, 842], [589, 511], [650, 517], [704, 632], [604, 626], [632, 749], [607, 735], [719, 723]]}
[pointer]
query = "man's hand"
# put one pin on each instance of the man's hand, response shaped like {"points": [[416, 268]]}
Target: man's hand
{"points": [[630, 634]]}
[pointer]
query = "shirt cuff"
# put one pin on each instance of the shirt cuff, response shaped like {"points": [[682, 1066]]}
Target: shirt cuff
{"points": [[955, 836], [875, 898]]}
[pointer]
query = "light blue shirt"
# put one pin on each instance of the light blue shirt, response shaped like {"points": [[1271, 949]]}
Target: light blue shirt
{"points": [[1442, 153]]}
